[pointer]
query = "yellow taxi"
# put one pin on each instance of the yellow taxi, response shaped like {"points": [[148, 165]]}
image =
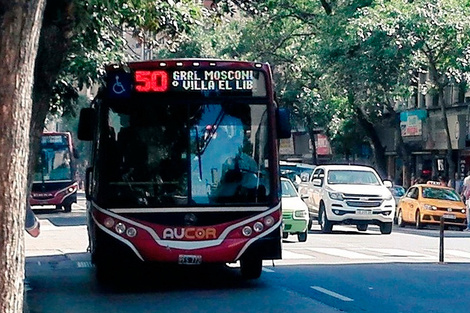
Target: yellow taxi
{"points": [[426, 203]]}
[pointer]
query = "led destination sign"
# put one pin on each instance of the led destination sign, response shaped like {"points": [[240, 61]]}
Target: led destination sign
{"points": [[207, 82], [232, 81]]}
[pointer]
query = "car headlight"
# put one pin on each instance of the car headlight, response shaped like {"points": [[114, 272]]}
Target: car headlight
{"points": [[300, 214], [388, 197], [336, 195], [429, 207]]}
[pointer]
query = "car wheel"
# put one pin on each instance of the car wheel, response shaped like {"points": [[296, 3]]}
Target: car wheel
{"points": [[310, 224], [386, 228], [285, 235], [325, 224], [302, 237], [362, 227], [251, 268], [401, 222], [419, 225]]}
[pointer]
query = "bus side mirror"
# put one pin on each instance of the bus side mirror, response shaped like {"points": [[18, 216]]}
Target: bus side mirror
{"points": [[86, 124], [283, 123]]}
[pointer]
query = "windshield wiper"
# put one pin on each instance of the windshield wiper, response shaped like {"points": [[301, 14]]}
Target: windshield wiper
{"points": [[199, 153]]}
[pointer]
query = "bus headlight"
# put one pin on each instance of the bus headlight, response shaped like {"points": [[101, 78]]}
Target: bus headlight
{"points": [[120, 228], [131, 232], [269, 221], [247, 231], [258, 227], [109, 222]]}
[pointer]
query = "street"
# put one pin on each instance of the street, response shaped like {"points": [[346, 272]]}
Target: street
{"points": [[347, 270]]}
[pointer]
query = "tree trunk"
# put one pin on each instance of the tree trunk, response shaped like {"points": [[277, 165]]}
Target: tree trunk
{"points": [[20, 25], [450, 160], [442, 82], [379, 150], [57, 27], [311, 134], [402, 148]]}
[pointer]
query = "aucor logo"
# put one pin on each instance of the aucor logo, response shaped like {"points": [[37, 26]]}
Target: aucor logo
{"points": [[191, 233]]}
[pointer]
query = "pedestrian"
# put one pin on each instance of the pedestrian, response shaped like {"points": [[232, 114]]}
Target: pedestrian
{"points": [[456, 183], [32, 225], [466, 197]]}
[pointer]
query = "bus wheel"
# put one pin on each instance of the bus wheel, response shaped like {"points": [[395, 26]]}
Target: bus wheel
{"points": [[68, 208], [104, 273], [251, 268]]}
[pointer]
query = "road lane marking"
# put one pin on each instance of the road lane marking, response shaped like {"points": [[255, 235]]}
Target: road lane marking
{"points": [[332, 293], [267, 270], [84, 264], [288, 255], [343, 253], [400, 253], [457, 253]]}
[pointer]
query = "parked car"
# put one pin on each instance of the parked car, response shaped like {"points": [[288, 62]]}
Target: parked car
{"points": [[296, 172], [397, 192], [294, 212], [425, 204], [348, 194]]}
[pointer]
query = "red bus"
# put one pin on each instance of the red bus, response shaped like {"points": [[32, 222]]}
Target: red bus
{"points": [[54, 182], [185, 165]]}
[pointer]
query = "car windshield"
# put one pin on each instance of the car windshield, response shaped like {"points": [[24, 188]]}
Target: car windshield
{"points": [[440, 194], [356, 177], [288, 189], [294, 172]]}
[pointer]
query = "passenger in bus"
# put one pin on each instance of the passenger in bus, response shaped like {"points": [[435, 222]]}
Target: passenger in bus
{"points": [[240, 180]]}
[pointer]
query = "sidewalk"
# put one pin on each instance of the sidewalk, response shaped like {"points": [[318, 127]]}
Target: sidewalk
{"points": [[56, 240]]}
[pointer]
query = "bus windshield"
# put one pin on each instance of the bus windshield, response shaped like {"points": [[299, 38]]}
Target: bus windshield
{"points": [[54, 163], [184, 154]]}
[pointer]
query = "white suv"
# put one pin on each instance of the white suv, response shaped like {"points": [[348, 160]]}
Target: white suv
{"points": [[349, 194]]}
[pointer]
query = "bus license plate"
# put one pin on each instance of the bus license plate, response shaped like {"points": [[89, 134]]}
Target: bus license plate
{"points": [[363, 212], [189, 259]]}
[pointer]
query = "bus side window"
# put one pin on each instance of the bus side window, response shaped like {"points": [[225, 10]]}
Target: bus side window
{"points": [[132, 154], [112, 156]]}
